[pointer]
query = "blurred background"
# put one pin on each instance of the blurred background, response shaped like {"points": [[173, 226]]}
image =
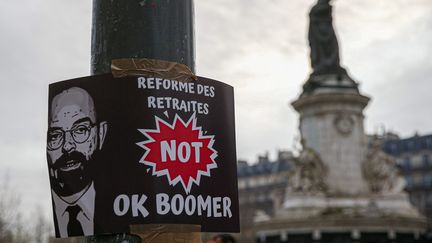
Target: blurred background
{"points": [[259, 47]]}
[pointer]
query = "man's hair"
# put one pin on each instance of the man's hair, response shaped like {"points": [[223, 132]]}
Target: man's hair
{"points": [[225, 238]]}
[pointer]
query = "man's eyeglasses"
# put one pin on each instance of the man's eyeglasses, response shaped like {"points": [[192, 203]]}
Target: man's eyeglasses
{"points": [[79, 134]]}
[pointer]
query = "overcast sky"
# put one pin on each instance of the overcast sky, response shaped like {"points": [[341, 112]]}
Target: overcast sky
{"points": [[257, 46]]}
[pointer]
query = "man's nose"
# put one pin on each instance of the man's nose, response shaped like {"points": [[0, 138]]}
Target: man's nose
{"points": [[69, 144]]}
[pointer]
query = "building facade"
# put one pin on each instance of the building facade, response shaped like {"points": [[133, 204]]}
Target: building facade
{"points": [[261, 183], [414, 158]]}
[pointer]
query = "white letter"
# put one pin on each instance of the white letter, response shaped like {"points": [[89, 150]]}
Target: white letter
{"points": [[226, 201], [212, 91], [170, 149], [137, 205], [190, 205], [181, 156], [174, 84], [160, 104], [141, 83], [162, 205], [183, 87], [158, 82], [174, 209], [191, 88], [175, 104], [206, 91], [117, 210], [206, 109], [200, 88], [216, 207], [197, 146], [204, 205], [151, 102], [168, 102], [150, 83], [166, 83]]}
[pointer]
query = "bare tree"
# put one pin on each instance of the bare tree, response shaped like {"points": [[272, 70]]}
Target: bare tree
{"points": [[20, 230], [8, 211], [42, 229], [12, 229], [31, 229]]}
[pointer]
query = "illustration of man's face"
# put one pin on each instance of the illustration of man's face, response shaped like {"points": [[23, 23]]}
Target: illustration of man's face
{"points": [[74, 138]]}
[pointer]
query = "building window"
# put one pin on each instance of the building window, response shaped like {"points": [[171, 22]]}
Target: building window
{"points": [[427, 180], [429, 200], [418, 180], [413, 199], [393, 148], [410, 145], [426, 161], [416, 161], [429, 142], [406, 163], [241, 184], [251, 198], [409, 182], [252, 182], [262, 181], [261, 197]]}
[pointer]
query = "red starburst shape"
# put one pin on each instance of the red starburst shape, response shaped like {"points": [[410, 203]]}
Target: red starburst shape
{"points": [[178, 151]]}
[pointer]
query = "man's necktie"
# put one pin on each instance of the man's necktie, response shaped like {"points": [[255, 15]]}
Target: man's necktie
{"points": [[74, 226]]}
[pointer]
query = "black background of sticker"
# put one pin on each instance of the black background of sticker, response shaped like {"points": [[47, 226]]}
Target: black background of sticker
{"points": [[123, 105]]}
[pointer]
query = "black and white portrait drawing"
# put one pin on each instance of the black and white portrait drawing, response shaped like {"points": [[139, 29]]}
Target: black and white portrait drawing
{"points": [[75, 138]]}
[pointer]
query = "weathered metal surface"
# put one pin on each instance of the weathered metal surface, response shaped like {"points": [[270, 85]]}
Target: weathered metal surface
{"points": [[162, 29]]}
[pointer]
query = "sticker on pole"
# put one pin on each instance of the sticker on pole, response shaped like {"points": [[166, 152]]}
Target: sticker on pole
{"points": [[141, 150]]}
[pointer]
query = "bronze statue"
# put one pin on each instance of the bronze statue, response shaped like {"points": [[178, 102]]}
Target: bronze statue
{"points": [[323, 41]]}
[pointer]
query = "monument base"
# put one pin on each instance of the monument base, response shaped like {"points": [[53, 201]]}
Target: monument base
{"points": [[305, 206], [356, 227], [352, 217]]}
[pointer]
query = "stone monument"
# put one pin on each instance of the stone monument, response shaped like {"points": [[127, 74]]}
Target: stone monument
{"points": [[343, 183]]}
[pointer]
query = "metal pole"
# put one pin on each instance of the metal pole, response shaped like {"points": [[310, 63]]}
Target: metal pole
{"points": [[162, 29]]}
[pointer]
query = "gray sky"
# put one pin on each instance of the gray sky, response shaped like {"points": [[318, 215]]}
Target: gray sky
{"points": [[257, 46]]}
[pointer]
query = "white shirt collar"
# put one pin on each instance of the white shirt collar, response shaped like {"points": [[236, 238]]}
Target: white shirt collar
{"points": [[86, 217]]}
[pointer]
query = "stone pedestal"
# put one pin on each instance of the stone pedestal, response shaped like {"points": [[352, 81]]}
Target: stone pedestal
{"points": [[332, 125]]}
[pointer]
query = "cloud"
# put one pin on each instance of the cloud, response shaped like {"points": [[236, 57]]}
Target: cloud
{"points": [[395, 70], [260, 47], [43, 41]]}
